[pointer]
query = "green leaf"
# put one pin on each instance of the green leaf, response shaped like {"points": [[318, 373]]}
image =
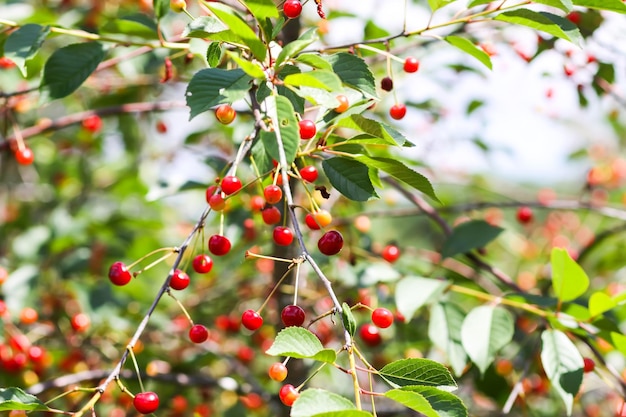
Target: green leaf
{"points": [[610, 5], [438, 4], [296, 101], [563, 365], [299, 343], [599, 303], [239, 26], [24, 43], [478, 3], [349, 323], [350, 178], [413, 292], [375, 129], [344, 413], [418, 371], [138, 25], [161, 8], [565, 5], [314, 61], [400, 172], [203, 27], [248, 67], [468, 47], [325, 80], [289, 132], [68, 67], [469, 235], [429, 401], [545, 22], [262, 9], [292, 48], [486, 330], [212, 86], [316, 401], [16, 399], [214, 54], [569, 280], [444, 330], [354, 72]]}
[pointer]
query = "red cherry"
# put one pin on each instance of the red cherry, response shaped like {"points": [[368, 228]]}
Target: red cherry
{"points": [[411, 64], [589, 365], [344, 104], [569, 70], [257, 203], [292, 315], [310, 221], [180, 280], [307, 129], [271, 215], [283, 236], [24, 156], [202, 264], [80, 322], [278, 371], [198, 333], [272, 194], [146, 402], [524, 215], [574, 17], [292, 8], [370, 334], [309, 173], [92, 123], [217, 202], [386, 84], [382, 317], [330, 243], [219, 245], [6, 63], [231, 184], [288, 394], [161, 127], [397, 111], [245, 354], [251, 320], [210, 191], [36, 354], [225, 114], [391, 253], [119, 274]]}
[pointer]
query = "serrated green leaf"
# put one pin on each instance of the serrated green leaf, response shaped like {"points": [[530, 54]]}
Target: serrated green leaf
{"points": [[68, 67], [214, 54], [354, 72], [293, 48], [203, 27], [350, 178], [262, 9], [610, 5], [324, 80], [430, 401], [212, 86], [569, 280], [543, 21], [375, 128], [444, 330], [486, 330], [438, 4], [23, 44], [413, 292], [239, 26], [468, 236], [400, 172], [299, 343], [314, 61], [349, 323], [248, 67], [563, 365], [289, 131], [565, 5], [315, 401], [599, 303], [138, 25], [418, 371], [468, 47], [161, 8], [16, 399]]}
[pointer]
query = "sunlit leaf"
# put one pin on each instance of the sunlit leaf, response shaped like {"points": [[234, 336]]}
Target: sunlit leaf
{"points": [[543, 21], [23, 44], [599, 303], [354, 72], [444, 330], [418, 371], [16, 399], [569, 280], [212, 86], [298, 342], [315, 401], [610, 5], [468, 47], [239, 26], [429, 401], [413, 292]]}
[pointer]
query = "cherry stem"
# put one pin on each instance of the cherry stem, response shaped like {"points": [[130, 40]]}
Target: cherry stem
{"points": [[129, 349], [249, 254], [68, 392], [276, 286], [295, 284], [154, 252], [182, 307], [154, 263]]}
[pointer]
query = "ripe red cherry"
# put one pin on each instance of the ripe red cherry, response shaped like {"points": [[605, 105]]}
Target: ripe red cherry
{"points": [[524, 215], [231, 184], [225, 114], [589, 365], [382, 317], [219, 245], [271, 215], [288, 394], [386, 84], [278, 371], [292, 315], [217, 202], [146, 402], [119, 274], [257, 203], [411, 64], [330, 243], [198, 333], [292, 8], [251, 320], [92, 123], [272, 194], [202, 264], [307, 129], [391, 253], [24, 156], [80, 322], [309, 173], [370, 334], [210, 191], [283, 236], [310, 221], [397, 111], [180, 280], [344, 104]]}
